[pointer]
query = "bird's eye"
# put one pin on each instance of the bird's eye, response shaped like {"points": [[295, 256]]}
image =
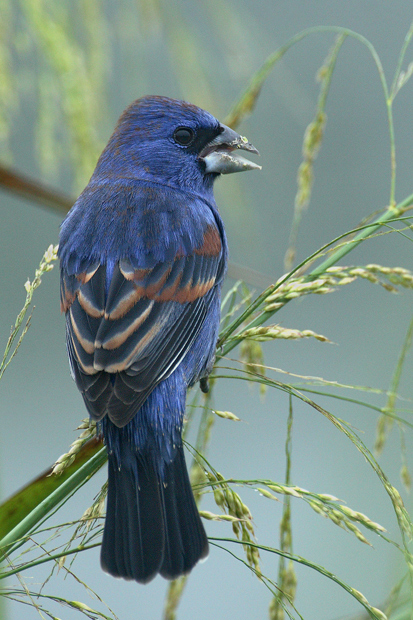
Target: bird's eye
{"points": [[184, 136]]}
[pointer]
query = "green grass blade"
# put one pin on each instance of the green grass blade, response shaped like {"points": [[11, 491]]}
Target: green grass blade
{"points": [[20, 513]]}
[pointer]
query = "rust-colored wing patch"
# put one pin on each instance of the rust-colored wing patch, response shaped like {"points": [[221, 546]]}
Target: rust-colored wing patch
{"points": [[114, 325]]}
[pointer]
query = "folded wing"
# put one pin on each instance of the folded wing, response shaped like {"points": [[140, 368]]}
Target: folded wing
{"points": [[128, 328]]}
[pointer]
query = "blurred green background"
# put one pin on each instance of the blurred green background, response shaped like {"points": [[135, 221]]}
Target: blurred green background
{"points": [[67, 71]]}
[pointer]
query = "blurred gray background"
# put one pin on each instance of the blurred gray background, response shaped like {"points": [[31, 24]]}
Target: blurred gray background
{"points": [[206, 53]]}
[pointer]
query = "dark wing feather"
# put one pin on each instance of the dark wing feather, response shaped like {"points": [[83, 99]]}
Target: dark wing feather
{"points": [[128, 328]]}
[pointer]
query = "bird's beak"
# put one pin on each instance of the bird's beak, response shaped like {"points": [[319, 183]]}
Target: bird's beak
{"points": [[221, 155]]}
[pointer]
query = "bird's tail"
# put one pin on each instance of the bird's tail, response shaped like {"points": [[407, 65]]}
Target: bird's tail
{"points": [[152, 522]]}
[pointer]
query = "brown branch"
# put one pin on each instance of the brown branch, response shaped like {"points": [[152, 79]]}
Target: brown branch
{"points": [[26, 187]]}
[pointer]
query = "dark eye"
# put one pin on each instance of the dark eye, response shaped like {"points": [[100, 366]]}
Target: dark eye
{"points": [[184, 136]]}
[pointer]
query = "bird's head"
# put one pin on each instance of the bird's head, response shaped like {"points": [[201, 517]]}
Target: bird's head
{"points": [[172, 141]]}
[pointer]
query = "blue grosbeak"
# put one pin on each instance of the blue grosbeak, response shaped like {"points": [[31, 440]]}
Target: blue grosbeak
{"points": [[143, 254]]}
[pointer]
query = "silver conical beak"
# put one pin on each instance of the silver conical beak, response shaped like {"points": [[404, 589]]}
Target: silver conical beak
{"points": [[221, 155]]}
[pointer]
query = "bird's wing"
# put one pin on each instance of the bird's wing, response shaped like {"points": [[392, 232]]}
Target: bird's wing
{"points": [[128, 328]]}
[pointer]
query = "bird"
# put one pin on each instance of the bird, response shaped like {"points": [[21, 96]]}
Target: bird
{"points": [[143, 255]]}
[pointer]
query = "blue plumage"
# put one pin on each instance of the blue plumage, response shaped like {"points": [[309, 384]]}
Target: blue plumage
{"points": [[143, 254]]}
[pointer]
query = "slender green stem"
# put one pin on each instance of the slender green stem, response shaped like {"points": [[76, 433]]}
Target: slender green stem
{"points": [[391, 401], [394, 87], [389, 108], [247, 100], [286, 574], [271, 585], [320, 569], [48, 558], [313, 137]]}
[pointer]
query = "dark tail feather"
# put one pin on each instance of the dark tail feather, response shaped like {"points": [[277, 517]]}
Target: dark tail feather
{"points": [[151, 526], [185, 539], [133, 539]]}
